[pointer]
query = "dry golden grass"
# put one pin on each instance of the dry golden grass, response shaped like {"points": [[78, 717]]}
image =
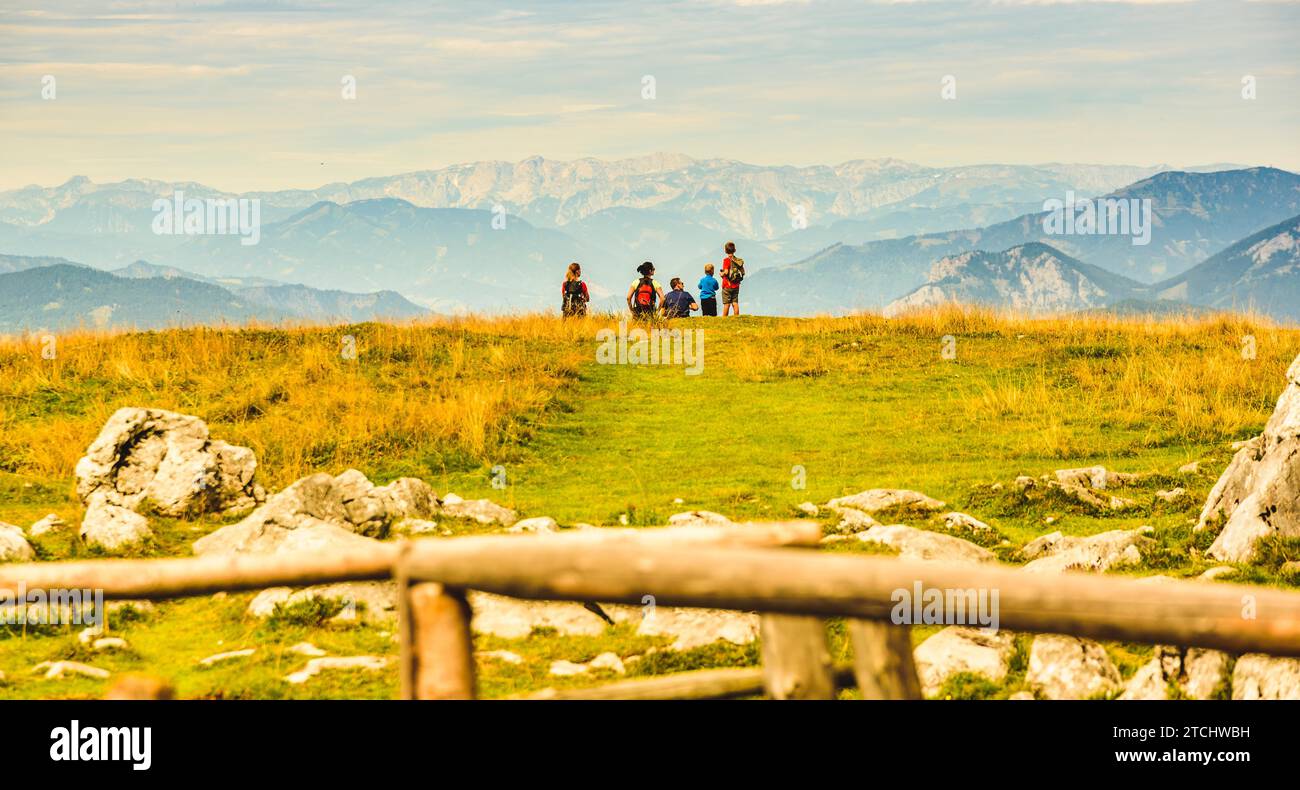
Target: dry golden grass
{"points": [[448, 387], [452, 392]]}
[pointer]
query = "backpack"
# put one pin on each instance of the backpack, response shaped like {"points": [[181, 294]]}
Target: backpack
{"points": [[573, 295], [644, 298], [736, 272]]}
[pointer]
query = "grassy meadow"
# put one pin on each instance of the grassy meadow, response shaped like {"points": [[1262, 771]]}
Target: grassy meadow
{"points": [[948, 402]]}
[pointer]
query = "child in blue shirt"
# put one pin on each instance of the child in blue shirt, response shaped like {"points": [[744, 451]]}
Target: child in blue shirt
{"points": [[708, 292]]}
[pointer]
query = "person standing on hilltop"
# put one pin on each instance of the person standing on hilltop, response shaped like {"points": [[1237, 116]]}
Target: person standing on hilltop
{"points": [[574, 292], [708, 292], [645, 293], [733, 271]]}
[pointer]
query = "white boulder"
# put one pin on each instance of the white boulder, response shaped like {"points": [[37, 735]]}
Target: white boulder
{"points": [[168, 459], [1066, 667], [13, 544], [959, 649], [920, 544]]}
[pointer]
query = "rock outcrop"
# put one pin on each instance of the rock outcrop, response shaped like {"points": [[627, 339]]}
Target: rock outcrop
{"points": [[1263, 677], [920, 544], [876, 499], [1066, 667], [1259, 493], [484, 511], [170, 460], [50, 523], [1056, 553], [1196, 673], [13, 544], [699, 518], [323, 513], [959, 649], [112, 527]]}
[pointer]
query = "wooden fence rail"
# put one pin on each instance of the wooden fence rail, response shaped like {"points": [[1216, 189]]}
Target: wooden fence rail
{"points": [[743, 568]]}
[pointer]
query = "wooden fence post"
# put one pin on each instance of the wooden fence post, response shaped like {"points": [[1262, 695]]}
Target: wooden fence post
{"points": [[882, 660], [405, 628], [796, 660], [442, 646]]}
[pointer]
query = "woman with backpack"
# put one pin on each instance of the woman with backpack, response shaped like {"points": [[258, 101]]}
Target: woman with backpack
{"points": [[645, 293], [733, 271], [574, 292]]}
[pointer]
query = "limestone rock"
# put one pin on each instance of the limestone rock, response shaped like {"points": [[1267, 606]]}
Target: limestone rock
{"points": [[307, 649], [507, 656], [13, 545], [51, 523], [699, 518], [609, 661], [876, 499], [323, 508], [691, 628], [538, 524], [419, 526], [1057, 553], [1172, 495], [55, 670], [1220, 572], [484, 511], [1264, 677], [1096, 477], [851, 520], [959, 649], [1066, 667], [170, 460], [112, 527], [370, 602], [567, 668], [227, 656], [919, 544], [1259, 493], [1148, 683], [1197, 673], [963, 521], [317, 665]]}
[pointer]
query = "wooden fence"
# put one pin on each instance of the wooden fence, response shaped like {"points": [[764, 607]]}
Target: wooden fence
{"points": [[754, 568]]}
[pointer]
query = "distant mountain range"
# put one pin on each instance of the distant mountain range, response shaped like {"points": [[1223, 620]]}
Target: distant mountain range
{"points": [[45, 294], [1259, 273], [1194, 215], [496, 236], [1030, 278]]}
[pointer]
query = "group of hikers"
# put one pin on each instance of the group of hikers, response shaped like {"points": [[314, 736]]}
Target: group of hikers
{"points": [[646, 298]]}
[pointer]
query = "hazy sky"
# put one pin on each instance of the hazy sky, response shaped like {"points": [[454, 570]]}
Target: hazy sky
{"points": [[248, 95]]}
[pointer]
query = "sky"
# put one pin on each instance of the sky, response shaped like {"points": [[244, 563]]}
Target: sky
{"points": [[247, 95]]}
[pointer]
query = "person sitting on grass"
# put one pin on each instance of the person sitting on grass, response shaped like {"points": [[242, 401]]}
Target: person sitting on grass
{"points": [[678, 303], [645, 293], [708, 292]]}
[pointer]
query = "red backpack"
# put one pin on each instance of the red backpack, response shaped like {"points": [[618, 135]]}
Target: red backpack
{"points": [[645, 297]]}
